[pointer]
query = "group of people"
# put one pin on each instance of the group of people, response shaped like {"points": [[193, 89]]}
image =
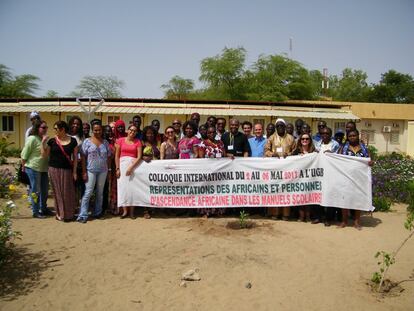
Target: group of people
{"points": [[83, 160]]}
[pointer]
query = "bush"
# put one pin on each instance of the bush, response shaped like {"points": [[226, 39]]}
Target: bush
{"points": [[12, 152], [410, 188], [391, 176], [6, 233], [4, 144], [381, 204], [373, 152], [7, 181]]}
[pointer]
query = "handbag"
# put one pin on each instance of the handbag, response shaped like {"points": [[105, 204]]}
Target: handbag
{"points": [[22, 175], [63, 151]]}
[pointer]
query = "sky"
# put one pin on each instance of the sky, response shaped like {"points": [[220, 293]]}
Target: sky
{"points": [[146, 43]]}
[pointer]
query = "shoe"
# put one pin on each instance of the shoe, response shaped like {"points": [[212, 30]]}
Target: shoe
{"points": [[47, 212], [124, 216], [315, 221], [39, 216], [327, 224], [82, 220]]}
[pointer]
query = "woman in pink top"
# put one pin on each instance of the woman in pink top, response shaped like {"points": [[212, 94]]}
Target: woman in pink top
{"points": [[128, 151], [188, 145]]}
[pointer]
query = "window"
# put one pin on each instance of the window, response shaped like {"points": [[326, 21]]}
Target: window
{"points": [[368, 136], [7, 124], [261, 121], [394, 138], [339, 126], [113, 119]]}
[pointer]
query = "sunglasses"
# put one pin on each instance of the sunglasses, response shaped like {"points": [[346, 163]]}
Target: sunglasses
{"points": [[44, 127], [170, 132], [176, 123], [305, 138]]}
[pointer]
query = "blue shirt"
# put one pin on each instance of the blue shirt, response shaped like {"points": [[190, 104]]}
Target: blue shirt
{"points": [[96, 157], [317, 137], [257, 145]]}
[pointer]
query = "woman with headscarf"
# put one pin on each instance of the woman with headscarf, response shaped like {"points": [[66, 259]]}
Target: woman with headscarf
{"points": [[119, 130]]}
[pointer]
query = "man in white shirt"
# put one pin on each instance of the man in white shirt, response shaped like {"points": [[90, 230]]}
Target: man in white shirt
{"points": [[34, 115], [326, 143]]}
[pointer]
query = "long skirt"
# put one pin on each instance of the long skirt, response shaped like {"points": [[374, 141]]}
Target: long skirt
{"points": [[64, 190], [113, 196], [125, 191]]}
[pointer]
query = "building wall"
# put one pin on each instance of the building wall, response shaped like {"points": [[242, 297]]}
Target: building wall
{"points": [[372, 133], [410, 138]]}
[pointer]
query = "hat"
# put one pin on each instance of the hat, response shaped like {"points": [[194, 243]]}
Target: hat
{"points": [[339, 131], [279, 120], [34, 114]]}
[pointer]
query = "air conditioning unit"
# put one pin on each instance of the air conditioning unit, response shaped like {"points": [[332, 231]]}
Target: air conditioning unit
{"points": [[386, 129]]}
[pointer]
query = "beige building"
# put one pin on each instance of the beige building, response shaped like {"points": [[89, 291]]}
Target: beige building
{"points": [[388, 127]]}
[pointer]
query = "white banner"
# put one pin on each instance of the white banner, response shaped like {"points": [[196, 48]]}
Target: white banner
{"points": [[318, 178]]}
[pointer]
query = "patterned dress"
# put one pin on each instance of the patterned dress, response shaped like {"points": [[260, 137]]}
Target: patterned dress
{"points": [[212, 150], [185, 147]]}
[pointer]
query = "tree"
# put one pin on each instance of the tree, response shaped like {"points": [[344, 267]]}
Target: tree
{"points": [[178, 88], [394, 87], [21, 86], [51, 94], [276, 77], [351, 86], [99, 86], [223, 73]]}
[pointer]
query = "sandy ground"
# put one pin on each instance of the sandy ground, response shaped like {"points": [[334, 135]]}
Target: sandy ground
{"points": [[116, 264]]}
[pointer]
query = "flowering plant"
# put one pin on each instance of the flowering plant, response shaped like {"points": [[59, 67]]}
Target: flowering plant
{"points": [[6, 233], [391, 176], [7, 183]]}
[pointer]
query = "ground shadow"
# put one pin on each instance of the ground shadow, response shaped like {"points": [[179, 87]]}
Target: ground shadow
{"points": [[21, 272], [370, 221]]}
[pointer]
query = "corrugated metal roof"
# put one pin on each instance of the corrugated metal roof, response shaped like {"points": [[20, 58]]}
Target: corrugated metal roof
{"points": [[264, 112]]}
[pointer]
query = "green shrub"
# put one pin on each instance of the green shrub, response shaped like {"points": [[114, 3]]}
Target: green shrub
{"points": [[373, 152], [410, 189], [381, 204], [6, 233], [12, 152]]}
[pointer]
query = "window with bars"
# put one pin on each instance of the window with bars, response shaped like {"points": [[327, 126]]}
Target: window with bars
{"points": [[113, 119], [395, 138], [368, 136], [7, 123]]}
